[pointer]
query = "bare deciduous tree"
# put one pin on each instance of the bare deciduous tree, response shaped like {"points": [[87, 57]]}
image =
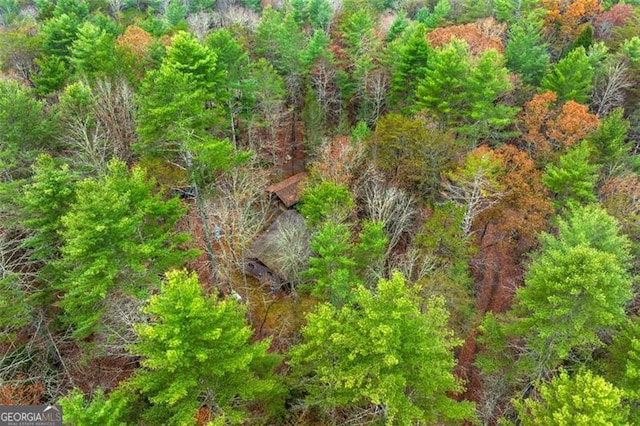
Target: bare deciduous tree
{"points": [[238, 213], [414, 264], [385, 203], [609, 86], [377, 87], [114, 108], [122, 311], [474, 186], [200, 23]]}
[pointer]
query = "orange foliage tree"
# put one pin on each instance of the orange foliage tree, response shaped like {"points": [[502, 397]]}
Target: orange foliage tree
{"points": [[525, 208], [565, 19], [613, 18], [480, 35], [135, 46], [549, 127]]}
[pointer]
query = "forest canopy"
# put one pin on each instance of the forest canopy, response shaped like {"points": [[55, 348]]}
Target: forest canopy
{"points": [[321, 211]]}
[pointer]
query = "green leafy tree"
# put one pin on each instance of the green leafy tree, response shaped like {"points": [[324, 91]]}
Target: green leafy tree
{"points": [[399, 24], [526, 54], [280, 40], [51, 76], [175, 12], [170, 111], [412, 153], [609, 143], [574, 179], [236, 87], [382, 350], [332, 268], [584, 399], [79, 9], [442, 92], [364, 51], [117, 236], [196, 352], [571, 78], [514, 11], [370, 249], [622, 366], [575, 290], [320, 14], [434, 18], [485, 115], [199, 63]]}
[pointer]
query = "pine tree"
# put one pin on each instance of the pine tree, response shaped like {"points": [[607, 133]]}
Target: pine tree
{"points": [[117, 236], [576, 289], [571, 78], [382, 350], [47, 197], [574, 179], [411, 66], [526, 54], [93, 52], [442, 92], [581, 400], [196, 352]]}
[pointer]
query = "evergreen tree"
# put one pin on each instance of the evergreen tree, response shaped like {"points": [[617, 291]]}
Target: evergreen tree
{"points": [[111, 410], [118, 236], [93, 52], [486, 116], [574, 179], [325, 201], [464, 94], [197, 62], [381, 350], [574, 290], [526, 54], [581, 400], [442, 92], [58, 35], [47, 197], [609, 143], [24, 129], [571, 78], [51, 76], [332, 268], [320, 14], [196, 352], [411, 66]]}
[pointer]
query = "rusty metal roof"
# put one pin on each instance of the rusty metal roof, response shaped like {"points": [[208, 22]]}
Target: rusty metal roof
{"points": [[289, 190]]}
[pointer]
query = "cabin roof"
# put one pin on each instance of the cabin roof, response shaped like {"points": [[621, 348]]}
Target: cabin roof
{"points": [[265, 247], [288, 190]]}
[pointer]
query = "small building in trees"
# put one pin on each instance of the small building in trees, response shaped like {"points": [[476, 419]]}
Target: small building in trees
{"points": [[288, 191], [280, 252]]}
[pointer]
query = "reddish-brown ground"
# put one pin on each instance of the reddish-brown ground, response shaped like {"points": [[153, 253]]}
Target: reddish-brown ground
{"points": [[497, 274]]}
